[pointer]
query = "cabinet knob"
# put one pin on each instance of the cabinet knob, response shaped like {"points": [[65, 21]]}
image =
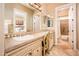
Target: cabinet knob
{"points": [[30, 53], [37, 50]]}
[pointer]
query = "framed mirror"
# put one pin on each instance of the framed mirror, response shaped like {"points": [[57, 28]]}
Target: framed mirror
{"points": [[19, 21]]}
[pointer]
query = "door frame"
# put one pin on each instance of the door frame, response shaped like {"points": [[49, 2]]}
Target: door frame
{"points": [[72, 25]]}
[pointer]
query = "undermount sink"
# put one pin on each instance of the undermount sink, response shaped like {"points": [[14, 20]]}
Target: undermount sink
{"points": [[21, 38]]}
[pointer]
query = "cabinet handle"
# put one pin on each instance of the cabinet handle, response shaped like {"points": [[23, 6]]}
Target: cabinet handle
{"points": [[37, 50], [42, 44], [30, 53]]}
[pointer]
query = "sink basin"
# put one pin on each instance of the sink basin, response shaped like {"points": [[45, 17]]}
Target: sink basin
{"points": [[26, 38]]}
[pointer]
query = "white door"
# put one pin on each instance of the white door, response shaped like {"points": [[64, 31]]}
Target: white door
{"points": [[36, 24], [72, 23]]}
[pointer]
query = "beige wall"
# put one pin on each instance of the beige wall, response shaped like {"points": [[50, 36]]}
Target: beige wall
{"points": [[1, 30], [63, 13], [78, 26], [9, 13], [43, 22]]}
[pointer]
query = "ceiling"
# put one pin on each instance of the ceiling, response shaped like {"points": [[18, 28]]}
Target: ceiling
{"points": [[49, 8]]}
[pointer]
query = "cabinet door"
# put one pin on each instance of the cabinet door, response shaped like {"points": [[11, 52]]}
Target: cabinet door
{"points": [[51, 40], [37, 52], [29, 53]]}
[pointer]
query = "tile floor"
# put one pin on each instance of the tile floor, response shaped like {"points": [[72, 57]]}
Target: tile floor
{"points": [[63, 49]]}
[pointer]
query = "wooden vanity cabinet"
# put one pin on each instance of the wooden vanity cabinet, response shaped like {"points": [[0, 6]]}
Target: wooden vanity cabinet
{"points": [[51, 39], [45, 44], [48, 42], [32, 49]]}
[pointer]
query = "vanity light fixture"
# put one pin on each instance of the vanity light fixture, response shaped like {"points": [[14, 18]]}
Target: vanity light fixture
{"points": [[37, 6]]}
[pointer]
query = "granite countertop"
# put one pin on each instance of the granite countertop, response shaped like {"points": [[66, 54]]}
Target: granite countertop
{"points": [[16, 42]]}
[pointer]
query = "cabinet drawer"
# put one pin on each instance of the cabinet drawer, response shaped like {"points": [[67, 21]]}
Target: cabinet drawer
{"points": [[28, 53], [25, 50], [35, 44], [37, 52], [16, 53]]}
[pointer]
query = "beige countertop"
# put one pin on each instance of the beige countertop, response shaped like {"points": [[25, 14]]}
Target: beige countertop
{"points": [[51, 29], [16, 42]]}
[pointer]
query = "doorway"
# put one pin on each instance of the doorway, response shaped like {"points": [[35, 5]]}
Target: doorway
{"points": [[64, 27], [66, 24]]}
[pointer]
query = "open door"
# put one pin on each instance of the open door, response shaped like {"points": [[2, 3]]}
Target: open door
{"points": [[67, 13]]}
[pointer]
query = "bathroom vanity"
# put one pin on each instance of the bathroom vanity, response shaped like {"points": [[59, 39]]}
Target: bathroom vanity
{"points": [[30, 49], [37, 44], [28, 45]]}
